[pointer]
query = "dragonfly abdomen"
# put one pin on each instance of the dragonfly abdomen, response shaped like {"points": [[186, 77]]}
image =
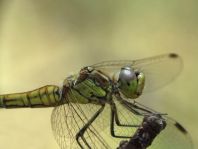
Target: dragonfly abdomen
{"points": [[47, 96]]}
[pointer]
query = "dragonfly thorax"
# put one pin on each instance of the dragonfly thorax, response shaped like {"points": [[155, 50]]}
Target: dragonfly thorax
{"points": [[90, 86], [130, 82]]}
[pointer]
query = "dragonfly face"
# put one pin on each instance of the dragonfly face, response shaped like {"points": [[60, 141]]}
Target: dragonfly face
{"points": [[131, 83]]}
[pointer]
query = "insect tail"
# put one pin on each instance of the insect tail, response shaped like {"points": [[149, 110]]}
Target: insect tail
{"points": [[47, 96]]}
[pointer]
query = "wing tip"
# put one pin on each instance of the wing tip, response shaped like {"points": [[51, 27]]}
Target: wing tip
{"points": [[173, 55], [185, 132], [181, 128]]}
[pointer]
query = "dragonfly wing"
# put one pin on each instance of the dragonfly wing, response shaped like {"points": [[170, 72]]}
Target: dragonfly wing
{"points": [[69, 118], [174, 136], [61, 121], [159, 70]]}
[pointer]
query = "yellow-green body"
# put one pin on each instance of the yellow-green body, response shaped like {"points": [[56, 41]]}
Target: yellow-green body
{"points": [[46, 96], [50, 96], [116, 83]]}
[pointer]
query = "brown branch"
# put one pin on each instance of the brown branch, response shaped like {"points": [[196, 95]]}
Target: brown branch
{"points": [[151, 126]]}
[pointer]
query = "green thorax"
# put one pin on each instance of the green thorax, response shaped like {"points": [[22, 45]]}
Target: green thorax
{"points": [[91, 89]]}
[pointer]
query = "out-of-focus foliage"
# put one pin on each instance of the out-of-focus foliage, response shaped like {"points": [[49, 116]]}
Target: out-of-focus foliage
{"points": [[41, 42]]}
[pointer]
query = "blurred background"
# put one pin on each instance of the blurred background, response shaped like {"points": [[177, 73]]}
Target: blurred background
{"points": [[42, 42]]}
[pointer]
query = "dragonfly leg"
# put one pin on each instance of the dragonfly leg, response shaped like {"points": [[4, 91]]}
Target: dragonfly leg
{"points": [[129, 106], [115, 119], [81, 132], [133, 107], [144, 110]]}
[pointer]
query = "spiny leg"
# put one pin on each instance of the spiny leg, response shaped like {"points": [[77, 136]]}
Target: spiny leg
{"points": [[114, 117], [81, 132], [134, 108], [144, 111], [129, 106]]}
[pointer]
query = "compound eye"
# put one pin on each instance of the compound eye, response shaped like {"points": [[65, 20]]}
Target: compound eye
{"points": [[127, 75], [128, 83]]}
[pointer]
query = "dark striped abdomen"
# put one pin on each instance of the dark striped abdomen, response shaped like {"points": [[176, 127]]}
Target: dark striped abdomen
{"points": [[47, 96]]}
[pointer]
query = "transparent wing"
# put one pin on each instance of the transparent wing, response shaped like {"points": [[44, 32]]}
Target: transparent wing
{"points": [[69, 118], [174, 136], [159, 70]]}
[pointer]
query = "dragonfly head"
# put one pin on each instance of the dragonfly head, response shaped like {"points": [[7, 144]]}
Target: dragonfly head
{"points": [[130, 82]]}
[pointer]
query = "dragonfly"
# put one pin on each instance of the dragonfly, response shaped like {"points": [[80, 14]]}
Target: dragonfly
{"points": [[98, 107]]}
